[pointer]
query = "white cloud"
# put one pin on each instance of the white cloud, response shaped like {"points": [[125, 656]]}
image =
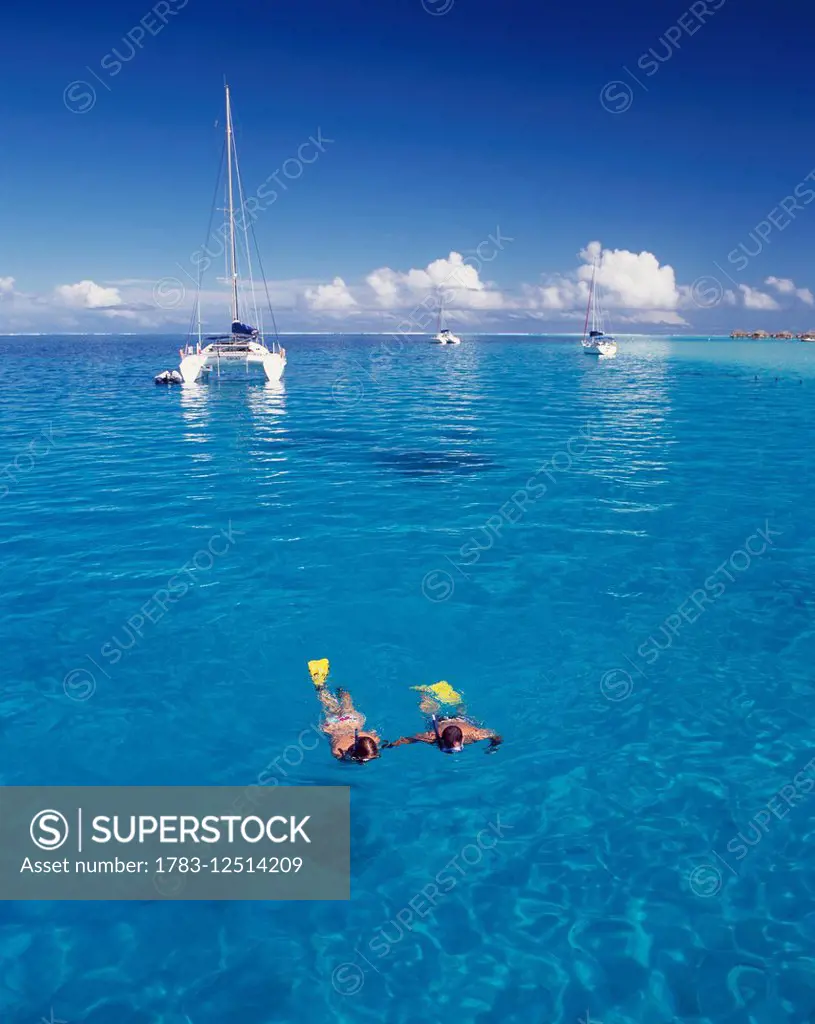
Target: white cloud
{"points": [[636, 289], [88, 295], [781, 284], [459, 281], [150, 304], [755, 299], [334, 297], [385, 285], [785, 286], [562, 296], [629, 281]]}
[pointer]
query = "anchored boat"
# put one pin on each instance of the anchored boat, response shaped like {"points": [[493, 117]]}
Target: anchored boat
{"points": [[595, 341], [444, 336], [244, 345]]}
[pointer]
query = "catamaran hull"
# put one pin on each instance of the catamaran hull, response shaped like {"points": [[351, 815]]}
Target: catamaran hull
{"points": [[273, 366], [198, 366], [192, 368]]}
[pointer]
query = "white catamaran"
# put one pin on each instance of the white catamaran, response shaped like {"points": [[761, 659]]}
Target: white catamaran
{"points": [[444, 335], [245, 345], [595, 341]]}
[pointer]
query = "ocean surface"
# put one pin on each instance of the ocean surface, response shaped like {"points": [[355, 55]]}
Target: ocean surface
{"points": [[613, 560]]}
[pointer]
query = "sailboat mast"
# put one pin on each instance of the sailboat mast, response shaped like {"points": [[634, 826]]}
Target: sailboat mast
{"points": [[590, 307], [232, 249]]}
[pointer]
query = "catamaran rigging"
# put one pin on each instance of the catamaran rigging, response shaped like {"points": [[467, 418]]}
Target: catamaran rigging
{"points": [[244, 344]]}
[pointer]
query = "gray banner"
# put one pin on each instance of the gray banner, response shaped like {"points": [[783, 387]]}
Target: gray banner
{"points": [[174, 842]]}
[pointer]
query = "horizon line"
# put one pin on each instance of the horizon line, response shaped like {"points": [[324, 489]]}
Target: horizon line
{"points": [[390, 334]]}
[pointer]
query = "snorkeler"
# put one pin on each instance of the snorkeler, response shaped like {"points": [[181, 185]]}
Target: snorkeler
{"points": [[450, 733], [343, 723]]}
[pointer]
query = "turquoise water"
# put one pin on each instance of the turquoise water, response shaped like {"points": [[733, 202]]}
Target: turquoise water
{"points": [[593, 866]]}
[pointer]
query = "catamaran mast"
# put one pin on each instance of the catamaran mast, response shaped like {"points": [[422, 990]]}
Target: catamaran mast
{"points": [[232, 249]]}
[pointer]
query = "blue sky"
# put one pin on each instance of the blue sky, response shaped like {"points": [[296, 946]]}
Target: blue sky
{"points": [[668, 133]]}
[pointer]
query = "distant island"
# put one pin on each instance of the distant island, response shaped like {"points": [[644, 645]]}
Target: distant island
{"points": [[786, 335]]}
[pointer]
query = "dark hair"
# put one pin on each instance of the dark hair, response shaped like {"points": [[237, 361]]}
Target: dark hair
{"points": [[364, 748], [451, 736]]}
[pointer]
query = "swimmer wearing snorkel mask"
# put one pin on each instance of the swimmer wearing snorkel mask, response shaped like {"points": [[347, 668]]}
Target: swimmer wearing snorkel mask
{"points": [[449, 733], [343, 723]]}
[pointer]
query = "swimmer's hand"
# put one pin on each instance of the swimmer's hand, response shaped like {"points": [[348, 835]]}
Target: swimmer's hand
{"points": [[495, 742], [400, 742]]}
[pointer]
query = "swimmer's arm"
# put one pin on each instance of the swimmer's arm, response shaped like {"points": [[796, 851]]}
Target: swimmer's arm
{"points": [[475, 735], [422, 737]]}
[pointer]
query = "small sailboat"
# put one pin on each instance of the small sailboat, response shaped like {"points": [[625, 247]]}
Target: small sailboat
{"points": [[244, 345], [595, 341], [444, 335]]}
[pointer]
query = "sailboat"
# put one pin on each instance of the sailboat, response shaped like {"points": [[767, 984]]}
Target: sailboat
{"points": [[444, 336], [595, 341], [244, 345]]}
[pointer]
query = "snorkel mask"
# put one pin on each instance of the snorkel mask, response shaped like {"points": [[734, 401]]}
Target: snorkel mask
{"points": [[349, 754]]}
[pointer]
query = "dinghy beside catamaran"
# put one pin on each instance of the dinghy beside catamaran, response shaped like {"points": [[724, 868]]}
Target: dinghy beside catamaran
{"points": [[595, 341], [244, 345]]}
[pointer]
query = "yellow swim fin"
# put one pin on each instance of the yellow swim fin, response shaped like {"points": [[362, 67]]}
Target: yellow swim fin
{"points": [[442, 691], [319, 672]]}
